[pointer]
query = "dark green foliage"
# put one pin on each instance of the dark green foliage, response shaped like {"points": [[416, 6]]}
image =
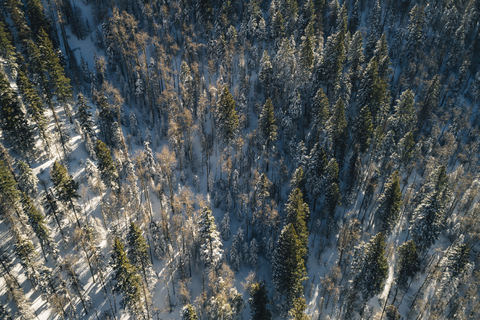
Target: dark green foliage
{"points": [[8, 188], [14, 124], [267, 125], [33, 103], [85, 117], [320, 111], [298, 214], [189, 313], [332, 188], [390, 204], [39, 226], [65, 187], [7, 50], [106, 165], [258, 302], [408, 263], [126, 280], [226, 117], [373, 268], [138, 249], [339, 130], [363, 130], [288, 267]]}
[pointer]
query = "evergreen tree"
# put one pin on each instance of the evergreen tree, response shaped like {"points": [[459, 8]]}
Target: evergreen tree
{"points": [[9, 194], [265, 74], [85, 117], [106, 165], [138, 250], [298, 310], [403, 120], [188, 312], [210, 250], [355, 58], [27, 180], [390, 204], [126, 280], [13, 122], [371, 267], [320, 111], [258, 302], [428, 217], [58, 83], [408, 263], [332, 188], [7, 50], [226, 117], [34, 104], [267, 125], [65, 187], [315, 173], [39, 226], [373, 90], [288, 267], [298, 215], [338, 129], [363, 129]]}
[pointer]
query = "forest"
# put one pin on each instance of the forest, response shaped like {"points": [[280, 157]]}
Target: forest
{"points": [[254, 159]]}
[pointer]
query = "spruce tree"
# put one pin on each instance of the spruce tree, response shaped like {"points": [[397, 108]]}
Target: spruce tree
{"points": [[338, 125], [332, 188], [188, 312], [226, 117], [106, 165], [288, 267], [210, 247], [390, 204], [127, 281], [363, 129], [138, 249], [298, 215], [408, 264], [320, 111], [267, 125], [372, 268], [85, 117], [39, 226], [298, 310], [9, 194], [65, 187], [13, 122], [258, 302], [27, 180]]}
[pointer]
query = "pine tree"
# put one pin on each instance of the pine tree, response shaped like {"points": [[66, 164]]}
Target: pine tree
{"points": [[338, 125], [315, 173], [258, 301], [7, 50], [265, 74], [65, 187], [363, 129], [267, 125], [355, 58], [106, 165], [390, 204], [39, 226], [288, 267], [188, 312], [373, 90], [408, 264], [332, 188], [127, 281], [320, 111], [210, 250], [428, 217], [371, 268], [226, 117], [27, 180], [13, 122], [138, 250], [298, 310], [403, 120], [9, 194], [34, 104], [85, 117], [298, 215], [59, 83]]}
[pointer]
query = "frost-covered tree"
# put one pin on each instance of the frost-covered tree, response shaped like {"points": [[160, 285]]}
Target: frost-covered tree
{"points": [[106, 165], [85, 117], [27, 180], [258, 301], [390, 203], [210, 250], [188, 312], [288, 267], [370, 267], [65, 187], [226, 117], [225, 227]]}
